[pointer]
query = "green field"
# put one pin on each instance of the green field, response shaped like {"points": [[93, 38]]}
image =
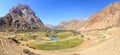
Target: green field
{"points": [[70, 43]]}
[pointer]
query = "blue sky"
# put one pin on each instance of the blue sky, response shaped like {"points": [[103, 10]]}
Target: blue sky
{"points": [[55, 11]]}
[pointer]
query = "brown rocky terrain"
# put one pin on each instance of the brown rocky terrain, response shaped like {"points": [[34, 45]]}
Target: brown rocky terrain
{"points": [[107, 17], [8, 47], [73, 24], [50, 26], [20, 17]]}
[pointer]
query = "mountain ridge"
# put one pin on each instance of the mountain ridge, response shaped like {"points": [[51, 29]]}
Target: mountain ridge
{"points": [[72, 24], [107, 17]]}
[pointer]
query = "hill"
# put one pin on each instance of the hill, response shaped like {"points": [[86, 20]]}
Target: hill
{"points": [[73, 24], [107, 17]]}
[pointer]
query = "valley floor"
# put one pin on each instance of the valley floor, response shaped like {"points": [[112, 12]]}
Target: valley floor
{"points": [[100, 42], [110, 46]]}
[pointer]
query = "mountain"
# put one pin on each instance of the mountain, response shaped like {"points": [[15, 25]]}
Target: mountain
{"points": [[49, 26], [20, 17], [73, 24], [107, 17]]}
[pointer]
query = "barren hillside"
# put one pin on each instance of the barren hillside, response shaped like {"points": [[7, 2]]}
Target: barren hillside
{"points": [[109, 47], [8, 47], [107, 17], [73, 24]]}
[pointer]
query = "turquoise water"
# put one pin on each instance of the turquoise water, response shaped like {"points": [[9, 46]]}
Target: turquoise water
{"points": [[53, 38]]}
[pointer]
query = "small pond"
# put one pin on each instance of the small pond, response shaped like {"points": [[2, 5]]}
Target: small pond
{"points": [[53, 38]]}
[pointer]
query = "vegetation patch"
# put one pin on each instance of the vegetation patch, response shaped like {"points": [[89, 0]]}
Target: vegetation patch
{"points": [[64, 35], [25, 36], [70, 43]]}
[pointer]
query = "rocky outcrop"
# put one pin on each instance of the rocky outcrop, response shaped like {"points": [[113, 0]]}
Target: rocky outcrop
{"points": [[108, 17], [21, 17]]}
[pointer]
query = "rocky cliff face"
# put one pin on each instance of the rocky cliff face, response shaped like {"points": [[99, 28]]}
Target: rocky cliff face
{"points": [[20, 17], [108, 17]]}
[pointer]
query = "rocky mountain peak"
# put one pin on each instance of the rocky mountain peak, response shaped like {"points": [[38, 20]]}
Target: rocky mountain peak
{"points": [[21, 17], [20, 7]]}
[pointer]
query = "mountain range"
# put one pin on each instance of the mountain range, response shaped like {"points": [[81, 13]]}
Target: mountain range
{"points": [[21, 17]]}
